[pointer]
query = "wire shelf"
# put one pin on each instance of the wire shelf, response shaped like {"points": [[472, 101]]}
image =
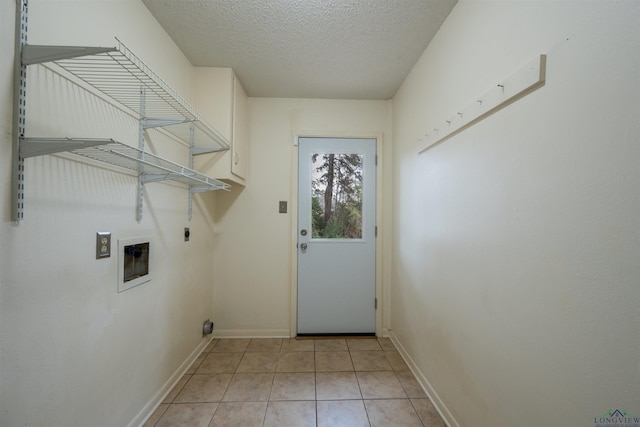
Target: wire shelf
{"points": [[117, 73], [150, 167], [120, 74]]}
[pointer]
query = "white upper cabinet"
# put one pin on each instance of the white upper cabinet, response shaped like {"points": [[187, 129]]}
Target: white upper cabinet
{"points": [[222, 100]]}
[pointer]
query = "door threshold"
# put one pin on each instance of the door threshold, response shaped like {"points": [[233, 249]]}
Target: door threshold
{"points": [[365, 335]]}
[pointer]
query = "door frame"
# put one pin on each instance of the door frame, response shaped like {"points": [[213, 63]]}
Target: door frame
{"points": [[293, 212]]}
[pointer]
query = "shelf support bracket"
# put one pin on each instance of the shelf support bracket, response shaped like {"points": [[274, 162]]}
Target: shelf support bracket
{"points": [[191, 154], [204, 150], [148, 123], [31, 147], [38, 54]]}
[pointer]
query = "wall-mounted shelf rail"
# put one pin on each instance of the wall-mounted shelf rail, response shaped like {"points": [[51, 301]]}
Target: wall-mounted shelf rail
{"points": [[119, 74]]}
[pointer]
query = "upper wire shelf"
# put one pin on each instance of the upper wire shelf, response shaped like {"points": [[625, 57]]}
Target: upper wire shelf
{"points": [[120, 74]]}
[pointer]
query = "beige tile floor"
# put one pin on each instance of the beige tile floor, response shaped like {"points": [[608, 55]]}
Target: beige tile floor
{"points": [[297, 383]]}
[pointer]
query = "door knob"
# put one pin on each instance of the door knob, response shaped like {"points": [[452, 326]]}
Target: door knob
{"points": [[303, 246]]}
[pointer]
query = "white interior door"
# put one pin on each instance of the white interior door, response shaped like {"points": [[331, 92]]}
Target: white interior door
{"points": [[336, 236]]}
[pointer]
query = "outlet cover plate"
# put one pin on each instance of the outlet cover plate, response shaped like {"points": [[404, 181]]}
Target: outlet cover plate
{"points": [[103, 244]]}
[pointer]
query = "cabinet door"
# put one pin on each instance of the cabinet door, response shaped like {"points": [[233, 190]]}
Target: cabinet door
{"points": [[240, 160], [223, 102]]}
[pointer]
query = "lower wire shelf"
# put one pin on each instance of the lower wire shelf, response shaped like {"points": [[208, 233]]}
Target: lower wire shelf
{"points": [[148, 167], [151, 168]]}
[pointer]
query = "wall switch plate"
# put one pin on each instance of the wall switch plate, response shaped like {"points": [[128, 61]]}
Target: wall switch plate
{"points": [[282, 206], [103, 244]]}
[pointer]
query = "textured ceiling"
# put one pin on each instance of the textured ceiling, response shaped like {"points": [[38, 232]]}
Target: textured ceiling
{"points": [[345, 49]]}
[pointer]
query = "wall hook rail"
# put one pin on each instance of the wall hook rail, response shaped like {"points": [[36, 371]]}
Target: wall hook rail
{"points": [[521, 83]]}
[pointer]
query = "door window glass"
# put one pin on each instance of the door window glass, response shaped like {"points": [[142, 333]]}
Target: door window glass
{"points": [[336, 201]]}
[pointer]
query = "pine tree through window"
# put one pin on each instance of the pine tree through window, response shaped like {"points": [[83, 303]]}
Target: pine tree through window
{"points": [[336, 203]]}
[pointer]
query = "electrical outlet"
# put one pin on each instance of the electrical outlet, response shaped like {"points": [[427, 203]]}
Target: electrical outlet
{"points": [[103, 244]]}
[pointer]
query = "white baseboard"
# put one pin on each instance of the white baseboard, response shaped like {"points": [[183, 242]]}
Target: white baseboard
{"points": [[442, 409], [166, 388], [251, 333], [265, 333]]}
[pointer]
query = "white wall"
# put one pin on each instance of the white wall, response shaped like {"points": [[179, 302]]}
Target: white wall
{"points": [[516, 243], [252, 263], [73, 351]]}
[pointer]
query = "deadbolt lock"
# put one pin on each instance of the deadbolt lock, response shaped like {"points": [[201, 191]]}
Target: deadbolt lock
{"points": [[303, 232]]}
